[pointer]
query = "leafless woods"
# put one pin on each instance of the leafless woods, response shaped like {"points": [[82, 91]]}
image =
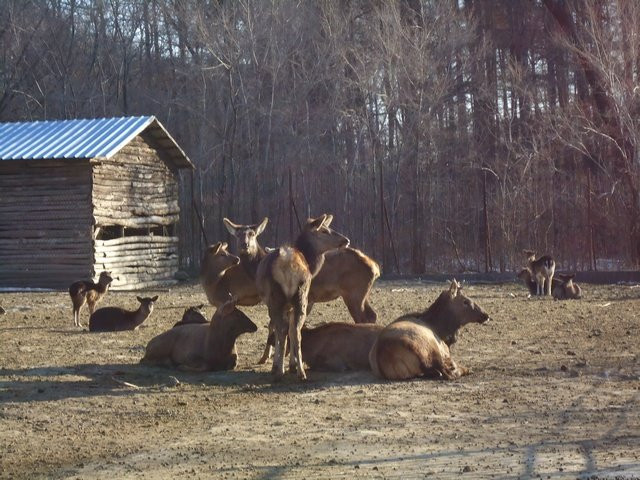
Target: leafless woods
{"points": [[443, 135]]}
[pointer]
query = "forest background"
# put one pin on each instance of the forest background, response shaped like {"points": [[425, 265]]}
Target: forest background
{"points": [[444, 135]]}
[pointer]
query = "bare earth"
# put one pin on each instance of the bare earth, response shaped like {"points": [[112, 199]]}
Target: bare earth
{"points": [[554, 392]]}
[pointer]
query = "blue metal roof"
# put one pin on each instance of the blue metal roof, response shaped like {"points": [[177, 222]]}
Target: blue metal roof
{"points": [[82, 138]]}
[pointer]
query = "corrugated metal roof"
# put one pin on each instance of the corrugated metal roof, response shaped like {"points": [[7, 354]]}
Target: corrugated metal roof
{"points": [[82, 138]]}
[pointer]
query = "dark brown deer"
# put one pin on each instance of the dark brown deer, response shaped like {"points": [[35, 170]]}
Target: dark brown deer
{"points": [[417, 344], [566, 289], [116, 319], [222, 278], [89, 292], [201, 347], [192, 315], [283, 279], [542, 269], [527, 277]]}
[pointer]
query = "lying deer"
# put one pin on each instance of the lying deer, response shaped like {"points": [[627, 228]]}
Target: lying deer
{"points": [[89, 292], [116, 319], [339, 347], [346, 273], [565, 289], [527, 277], [542, 269], [192, 315], [201, 347], [418, 344], [283, 280]]}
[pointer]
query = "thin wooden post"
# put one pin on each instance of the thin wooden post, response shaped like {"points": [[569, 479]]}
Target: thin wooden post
{"points": [[290, 206], [293, 211], [384, 246], [592, 250]]}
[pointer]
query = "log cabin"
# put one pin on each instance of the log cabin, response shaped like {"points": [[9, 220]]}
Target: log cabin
{"points": [[81, 196]]}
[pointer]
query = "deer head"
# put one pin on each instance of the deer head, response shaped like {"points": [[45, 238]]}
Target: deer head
{"points": [[318, 233], [246, 235]]}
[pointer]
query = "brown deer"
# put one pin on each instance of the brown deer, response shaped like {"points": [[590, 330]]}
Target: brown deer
{"points": [[201, 347], [339, 347], [527, 277], [222, 278], [283, 279], [565, 289], [116, 319], [89, 292], [192, 315], [542, 269], [417, 344], [346, 273]]}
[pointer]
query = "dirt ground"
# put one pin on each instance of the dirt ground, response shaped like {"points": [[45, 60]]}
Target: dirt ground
{"points": [[554, 393]]}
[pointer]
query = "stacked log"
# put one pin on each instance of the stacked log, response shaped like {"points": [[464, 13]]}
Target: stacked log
{"points": [[53, 213], [136, 190], [45, 223]]}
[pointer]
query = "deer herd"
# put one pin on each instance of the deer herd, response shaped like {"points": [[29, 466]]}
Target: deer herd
{"points": [[319, 266]]}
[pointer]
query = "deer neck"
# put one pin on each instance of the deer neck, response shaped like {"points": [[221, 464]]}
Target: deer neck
{"points": [[220, 340], [437, 319], [313, 257], [102, 287], [139, 316], [250, 261]]}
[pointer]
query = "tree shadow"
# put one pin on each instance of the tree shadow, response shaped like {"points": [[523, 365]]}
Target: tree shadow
{"points": [[122, 379]]}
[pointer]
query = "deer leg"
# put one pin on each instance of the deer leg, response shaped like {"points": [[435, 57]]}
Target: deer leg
{"points": [[549, 280], [278, 320], [370, 314], [359, 307], [295, 330], [266, 354]]}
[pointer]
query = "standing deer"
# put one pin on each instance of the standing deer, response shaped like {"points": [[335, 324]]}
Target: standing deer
{"points": [[417, 344], [542, 269], [89, 292], [566, 289], [527, 277], [283, 280], [346, 273], [223, 278], [116, 319]]}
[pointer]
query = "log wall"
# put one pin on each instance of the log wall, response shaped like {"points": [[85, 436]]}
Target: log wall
{"points": [[45, 223], [136, 190]]}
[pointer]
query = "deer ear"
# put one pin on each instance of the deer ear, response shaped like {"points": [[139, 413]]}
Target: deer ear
{"points": [[154, 299], [328, 218], [229, 306], [140, 299], [260, 228], [453, 288], [315, 223], [231, 227], [215, 248]]}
